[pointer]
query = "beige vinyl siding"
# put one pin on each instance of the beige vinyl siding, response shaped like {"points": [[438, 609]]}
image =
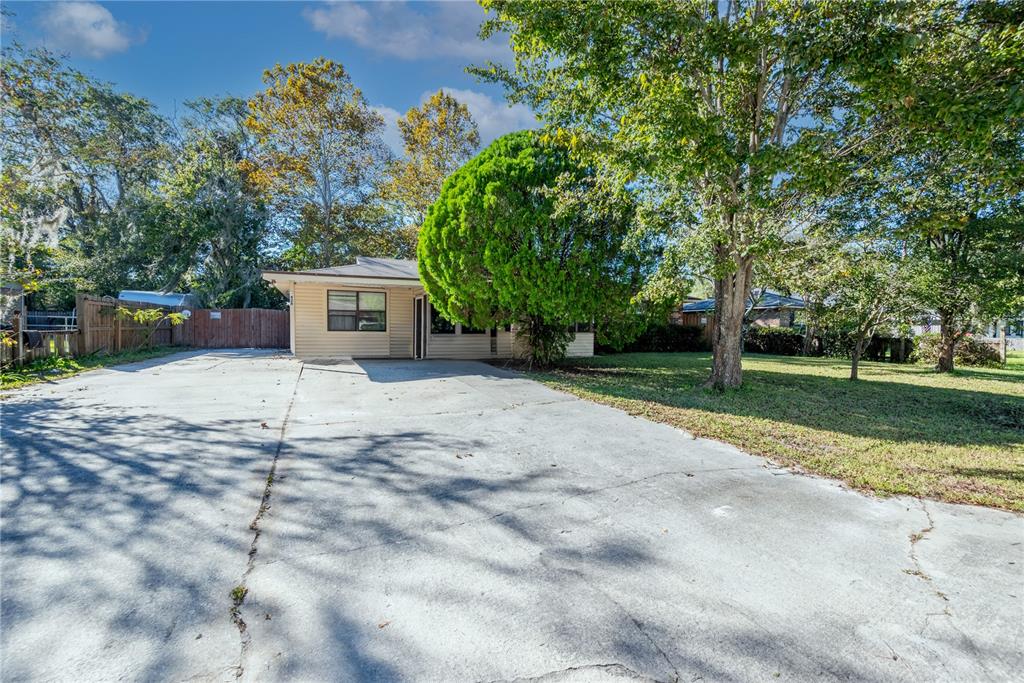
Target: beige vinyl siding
{"points": [[469, 346], [291, 319], [581, 345], [312, 338], [465, 346], [506, 341], [400, 314]]}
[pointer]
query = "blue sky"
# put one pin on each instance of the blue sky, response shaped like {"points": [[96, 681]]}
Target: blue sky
{"points": [[170, 52]]}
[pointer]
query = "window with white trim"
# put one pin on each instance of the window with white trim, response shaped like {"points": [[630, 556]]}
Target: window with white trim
{"points": [[356, 311]]}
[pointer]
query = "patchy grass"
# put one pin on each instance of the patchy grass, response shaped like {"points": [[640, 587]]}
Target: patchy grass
{"points": [[58, 368], [900, 429]]}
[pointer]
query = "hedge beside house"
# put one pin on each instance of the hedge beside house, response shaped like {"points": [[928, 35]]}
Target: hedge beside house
{"points": [[778, 341], [664, 338]]}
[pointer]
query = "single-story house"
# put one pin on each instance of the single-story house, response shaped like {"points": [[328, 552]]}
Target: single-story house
{"points": [[993, 332], [766, 309], [377, 308]]}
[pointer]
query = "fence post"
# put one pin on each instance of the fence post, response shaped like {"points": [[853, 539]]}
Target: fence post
{"points": [[117, 332], [81, 324], [1002, 341], [16, 327]]}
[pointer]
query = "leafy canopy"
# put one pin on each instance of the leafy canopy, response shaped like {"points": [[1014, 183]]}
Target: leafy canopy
{"points": [[497, 249], [438, 138], [736, 118], [320, 155]]}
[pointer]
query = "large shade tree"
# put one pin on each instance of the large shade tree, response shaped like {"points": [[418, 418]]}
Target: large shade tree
{"points": [[745, 116], [438, 137], [220, 234], [319, 160], [497, 249], [80, 161], [952, 179], [963, 217]]}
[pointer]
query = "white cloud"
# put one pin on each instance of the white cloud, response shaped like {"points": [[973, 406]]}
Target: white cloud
{"points": [[86, 29], [494, 118], [410, 30], [391, 135]]}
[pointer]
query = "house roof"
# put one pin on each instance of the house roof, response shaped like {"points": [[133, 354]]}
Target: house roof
{"points": [[767, 300], [366, 270], [366, 266]]}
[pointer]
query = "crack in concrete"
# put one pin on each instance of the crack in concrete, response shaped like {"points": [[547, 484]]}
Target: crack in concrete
{"points": [[239, 593], [640, 628], [637, 624], [919, 572], [916, 538], [613, 668]]}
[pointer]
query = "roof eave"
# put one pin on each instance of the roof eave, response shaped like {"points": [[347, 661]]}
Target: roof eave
{"points": [[279, 278]]}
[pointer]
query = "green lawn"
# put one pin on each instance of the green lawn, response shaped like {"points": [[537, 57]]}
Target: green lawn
{"points": [[900, 429], [58, 368]]}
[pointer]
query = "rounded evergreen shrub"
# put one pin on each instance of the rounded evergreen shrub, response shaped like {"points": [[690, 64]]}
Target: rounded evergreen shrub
{"points": [[969, 351]]}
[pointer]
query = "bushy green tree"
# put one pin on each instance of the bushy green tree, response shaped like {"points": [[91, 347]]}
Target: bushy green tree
{"points": [[221, 233], [496, 248], [869, 290], [948, 176], [77, 149], [737, 116]]}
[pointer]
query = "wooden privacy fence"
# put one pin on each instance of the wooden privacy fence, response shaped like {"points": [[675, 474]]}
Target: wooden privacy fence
{"points": [[101, 330], [232, 328], [206, 328], [44, 344]]}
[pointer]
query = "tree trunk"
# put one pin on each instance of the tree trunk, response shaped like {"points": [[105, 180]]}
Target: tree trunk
{"points": [[731, 294], [858, 348], [947, 343], [805, 350]]}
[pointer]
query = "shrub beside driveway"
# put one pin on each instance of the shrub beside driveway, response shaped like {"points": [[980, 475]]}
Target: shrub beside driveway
{"points": [[901, 429]]}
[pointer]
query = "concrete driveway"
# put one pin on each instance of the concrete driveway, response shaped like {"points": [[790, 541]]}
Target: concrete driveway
{"points": [[454, 522]]}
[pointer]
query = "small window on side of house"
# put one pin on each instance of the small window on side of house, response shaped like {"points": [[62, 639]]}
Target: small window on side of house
{"points": [[439, 324]]}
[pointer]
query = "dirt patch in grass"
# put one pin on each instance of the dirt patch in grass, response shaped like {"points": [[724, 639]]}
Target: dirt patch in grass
{"points": [[900, 429]]}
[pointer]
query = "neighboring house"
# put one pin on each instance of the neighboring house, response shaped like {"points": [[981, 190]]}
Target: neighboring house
{"points": [[1013, 328], [767, 309], [377, 308], [990, 332]]}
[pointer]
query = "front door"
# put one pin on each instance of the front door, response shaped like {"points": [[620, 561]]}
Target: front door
{"points": [[418, 322]]}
